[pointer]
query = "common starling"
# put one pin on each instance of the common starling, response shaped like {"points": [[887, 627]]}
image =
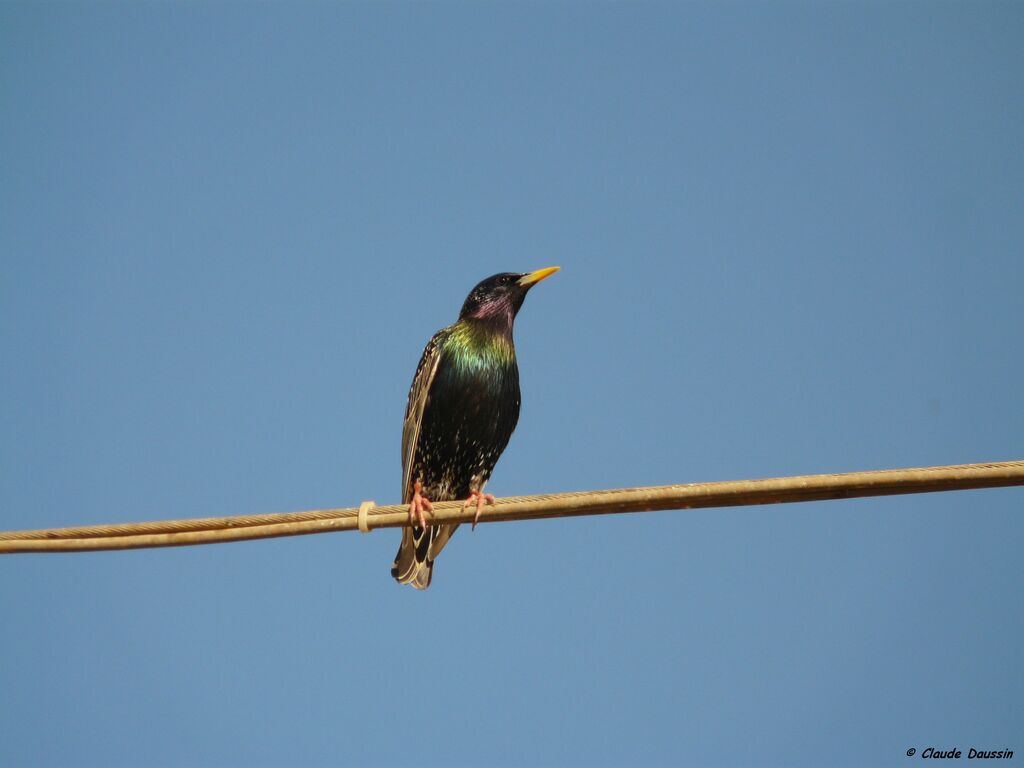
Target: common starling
{"points": [[463, 407]]}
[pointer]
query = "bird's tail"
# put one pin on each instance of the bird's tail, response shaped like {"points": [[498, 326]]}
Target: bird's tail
{"points": [[414, 563]]}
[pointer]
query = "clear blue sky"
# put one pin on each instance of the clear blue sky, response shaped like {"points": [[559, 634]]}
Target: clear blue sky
{"points": [[792, 241]]}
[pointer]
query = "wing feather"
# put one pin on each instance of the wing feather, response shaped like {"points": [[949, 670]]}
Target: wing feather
{"points": [[419, 393]]}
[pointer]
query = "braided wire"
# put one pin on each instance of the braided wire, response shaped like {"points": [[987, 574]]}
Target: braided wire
{"points": [[163, 533]]}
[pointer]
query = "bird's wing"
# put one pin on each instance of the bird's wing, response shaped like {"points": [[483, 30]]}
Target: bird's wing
{"points": [[418, 395]]}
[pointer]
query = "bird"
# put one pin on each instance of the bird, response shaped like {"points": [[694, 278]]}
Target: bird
{"points": [[463, 407]]}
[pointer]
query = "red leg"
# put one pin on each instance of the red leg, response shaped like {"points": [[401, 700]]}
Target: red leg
{"points": [[418, 504], [480, 498]]}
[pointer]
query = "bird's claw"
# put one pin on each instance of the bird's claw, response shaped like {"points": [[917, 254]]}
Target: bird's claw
{"points": [[417, 506], [479, 498]]}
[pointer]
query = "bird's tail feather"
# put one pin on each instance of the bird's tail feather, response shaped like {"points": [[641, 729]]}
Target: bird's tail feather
{"points": [[414, 563]]}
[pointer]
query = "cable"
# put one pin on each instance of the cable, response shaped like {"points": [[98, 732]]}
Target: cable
{"points": [[170, 533]]}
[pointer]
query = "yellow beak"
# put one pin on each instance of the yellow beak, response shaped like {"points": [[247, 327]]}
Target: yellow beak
{"points": [[536, 277]]}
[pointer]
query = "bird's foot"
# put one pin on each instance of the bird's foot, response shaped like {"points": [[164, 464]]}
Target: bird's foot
{"points": [[417, 506], [479, 498]]}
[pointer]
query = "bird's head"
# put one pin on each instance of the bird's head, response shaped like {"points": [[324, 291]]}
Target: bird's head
{"points": [[499, 297]]}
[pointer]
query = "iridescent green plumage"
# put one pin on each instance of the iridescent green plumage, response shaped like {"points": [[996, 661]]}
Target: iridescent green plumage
{"points": [[463, 407]]}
